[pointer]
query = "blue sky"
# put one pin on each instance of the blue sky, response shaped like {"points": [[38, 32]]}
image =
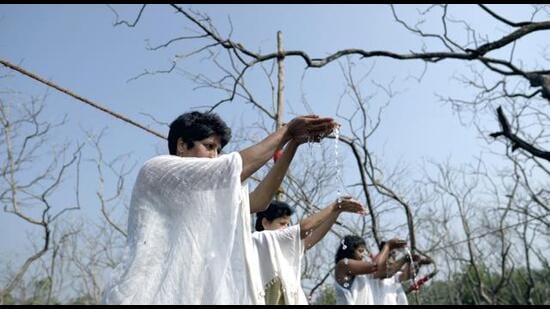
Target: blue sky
{"points": [[77, 47]]}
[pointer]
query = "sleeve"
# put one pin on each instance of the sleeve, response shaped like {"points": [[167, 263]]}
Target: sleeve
{"points": [[288, 236], [290, 241], [287, 239]]}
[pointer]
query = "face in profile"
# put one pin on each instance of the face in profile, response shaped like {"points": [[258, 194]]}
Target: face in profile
{"points": [[209, 147], [359, 252], [277, 223], [392, 256]]}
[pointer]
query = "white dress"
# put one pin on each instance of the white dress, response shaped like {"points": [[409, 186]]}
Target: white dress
{"points": [[188, 236], [279, 254], [389, 291], [358, 293]]}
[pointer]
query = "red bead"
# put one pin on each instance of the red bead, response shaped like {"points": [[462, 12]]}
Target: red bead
{"points": [[278, 154]]}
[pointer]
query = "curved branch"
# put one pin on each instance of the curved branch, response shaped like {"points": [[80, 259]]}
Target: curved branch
{"points": [[502, 19], [517, 142], [125, 22]]}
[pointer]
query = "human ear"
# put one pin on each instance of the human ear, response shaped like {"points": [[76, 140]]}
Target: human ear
{"points": [[265, 223], [181, 147]]}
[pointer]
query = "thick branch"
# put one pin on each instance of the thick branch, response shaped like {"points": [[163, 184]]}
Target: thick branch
{"points": [[517, 142]]}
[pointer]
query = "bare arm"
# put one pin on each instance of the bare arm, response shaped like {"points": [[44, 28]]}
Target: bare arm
{"points": [[264, 192], [257, 155], [309, 224], [346, 204], [322, 230], [351, 267], [418, 261], [380, 261], [406, 275], [382, 257], [396, 266]]}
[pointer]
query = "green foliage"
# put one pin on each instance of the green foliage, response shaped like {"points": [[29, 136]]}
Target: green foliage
{"points": [[511, 289], [82, 300], [327, 296]]}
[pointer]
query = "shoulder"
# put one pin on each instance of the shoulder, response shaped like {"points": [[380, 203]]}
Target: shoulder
{"points": [[287, 233], [159, 161], [257, 235], [290, 232], [341, 263], [163, 160]]}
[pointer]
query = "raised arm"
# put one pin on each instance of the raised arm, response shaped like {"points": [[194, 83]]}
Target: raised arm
{"points": [[382, 257], [257, 155], [346, 204], [397, 266], [264, 192], [418, 261], [350, 267]]}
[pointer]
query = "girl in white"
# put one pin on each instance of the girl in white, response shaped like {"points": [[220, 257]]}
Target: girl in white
{"points": [[355, 278], [280, 248], [388, 290]]}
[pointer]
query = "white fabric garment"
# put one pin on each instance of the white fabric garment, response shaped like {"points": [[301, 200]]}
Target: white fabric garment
{"points": [[401, 296], [279, 254], [389, 291], [188, 236], [358, 293]]}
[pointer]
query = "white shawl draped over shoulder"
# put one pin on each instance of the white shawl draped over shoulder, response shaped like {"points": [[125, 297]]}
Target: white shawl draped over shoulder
{"points": [[188, 236], [279, 255]]}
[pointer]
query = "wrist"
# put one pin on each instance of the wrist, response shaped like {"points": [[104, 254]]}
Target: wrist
{"points": [[292, 144], [286, 136], [336, 207], [286, 133]]}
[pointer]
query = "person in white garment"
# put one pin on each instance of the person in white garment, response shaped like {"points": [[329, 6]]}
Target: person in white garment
{"points": [[355, 276], [280, 247], [389, 290], [189, 238]]}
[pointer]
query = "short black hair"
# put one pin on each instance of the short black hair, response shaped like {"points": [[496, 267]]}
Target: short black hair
{"points": [[196, 126], [348, 246], [276, 209]]}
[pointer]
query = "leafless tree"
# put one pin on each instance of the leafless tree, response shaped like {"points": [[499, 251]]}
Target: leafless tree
{"points": [[465, 217], [477, 48], [24, 137]]}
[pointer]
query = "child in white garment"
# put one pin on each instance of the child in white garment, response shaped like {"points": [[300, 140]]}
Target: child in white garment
{"points": [[354, 276]]}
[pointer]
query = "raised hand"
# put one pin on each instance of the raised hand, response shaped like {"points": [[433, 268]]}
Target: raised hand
{"points": [[425, 261], [348, 204], [396, 243], [310, 128], [422, 260]]}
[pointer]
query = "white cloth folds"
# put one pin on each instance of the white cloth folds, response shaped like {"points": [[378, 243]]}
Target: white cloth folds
{"points": [[188, 236], [389, 291], [279, 254], [358, 293]]}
